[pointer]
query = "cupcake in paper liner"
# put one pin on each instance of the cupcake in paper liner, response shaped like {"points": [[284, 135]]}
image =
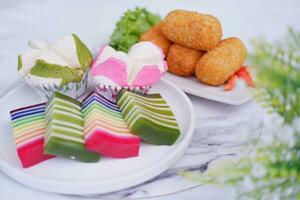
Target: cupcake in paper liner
{"points": [[61, 66], [137, 70]]}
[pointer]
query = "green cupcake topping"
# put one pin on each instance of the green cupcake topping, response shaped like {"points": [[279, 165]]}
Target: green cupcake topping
{"points": [[67, 59], [46, 70], [84, 55]]}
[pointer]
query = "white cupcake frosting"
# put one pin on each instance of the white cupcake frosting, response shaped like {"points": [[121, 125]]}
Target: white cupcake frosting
{"points": [[28, 60], [39, 44], [52, 58], [66, 49], [116, 65], [109, 52], [63, 52], [144, 54]]}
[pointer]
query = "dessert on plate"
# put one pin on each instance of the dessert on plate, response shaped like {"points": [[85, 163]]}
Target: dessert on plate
{"points": [[137, 70], [111, 121], [105, 130], [64, 135], [149, 116], [60, 66], [29, 127], [64, 127]]}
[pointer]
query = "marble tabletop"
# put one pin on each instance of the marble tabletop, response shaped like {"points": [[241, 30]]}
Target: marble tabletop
{"points": [[221, 130]]}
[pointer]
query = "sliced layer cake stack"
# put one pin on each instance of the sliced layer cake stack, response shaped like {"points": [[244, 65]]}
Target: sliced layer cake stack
{"points": [[149, 117], [105, 129], [65, 127], [29, 126], [64, 135]]}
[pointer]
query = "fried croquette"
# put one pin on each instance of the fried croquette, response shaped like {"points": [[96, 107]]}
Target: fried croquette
{"points": [[219, 64], [182, 60], [155, 35], [192, 29]]}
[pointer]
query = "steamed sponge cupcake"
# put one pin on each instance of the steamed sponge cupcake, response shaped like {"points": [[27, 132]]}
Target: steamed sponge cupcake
{"points": [[60, 66], [137, 70]]}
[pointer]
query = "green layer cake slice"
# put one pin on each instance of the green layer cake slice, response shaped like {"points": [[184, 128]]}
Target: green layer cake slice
{"points": [[64, 133], [149, 116]]}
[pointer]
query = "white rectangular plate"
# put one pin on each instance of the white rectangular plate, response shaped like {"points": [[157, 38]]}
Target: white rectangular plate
{"points": [[239, 95]]}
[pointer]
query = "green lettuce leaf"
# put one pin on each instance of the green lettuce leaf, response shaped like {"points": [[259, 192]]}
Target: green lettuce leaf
{"points": [[129, 28]]}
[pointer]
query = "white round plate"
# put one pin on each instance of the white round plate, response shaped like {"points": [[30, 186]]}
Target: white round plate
{"points": [[239, 95], [70, 177]]}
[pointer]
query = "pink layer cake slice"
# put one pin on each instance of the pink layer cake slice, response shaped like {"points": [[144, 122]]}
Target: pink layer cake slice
{"points": [[29, 126], [105, 129]]}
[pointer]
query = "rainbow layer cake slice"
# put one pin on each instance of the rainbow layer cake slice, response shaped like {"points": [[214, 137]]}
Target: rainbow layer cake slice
{"points": [[149, 117], [64, 136], [105, 129], [29, 126]]}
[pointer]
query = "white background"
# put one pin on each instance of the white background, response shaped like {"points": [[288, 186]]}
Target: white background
{"points": [[93, 21]]}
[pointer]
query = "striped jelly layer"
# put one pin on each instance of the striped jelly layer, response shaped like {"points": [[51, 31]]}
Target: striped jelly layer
{"points": [[67, 119], [29, 126], [105, 129], [100, 113], [149, 116], [28, 123], [64, 135]]}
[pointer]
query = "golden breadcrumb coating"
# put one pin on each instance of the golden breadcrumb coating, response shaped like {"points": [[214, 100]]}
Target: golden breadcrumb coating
{"points": [[155, 35], [219, 64], [182, 60], [192, 29]]}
